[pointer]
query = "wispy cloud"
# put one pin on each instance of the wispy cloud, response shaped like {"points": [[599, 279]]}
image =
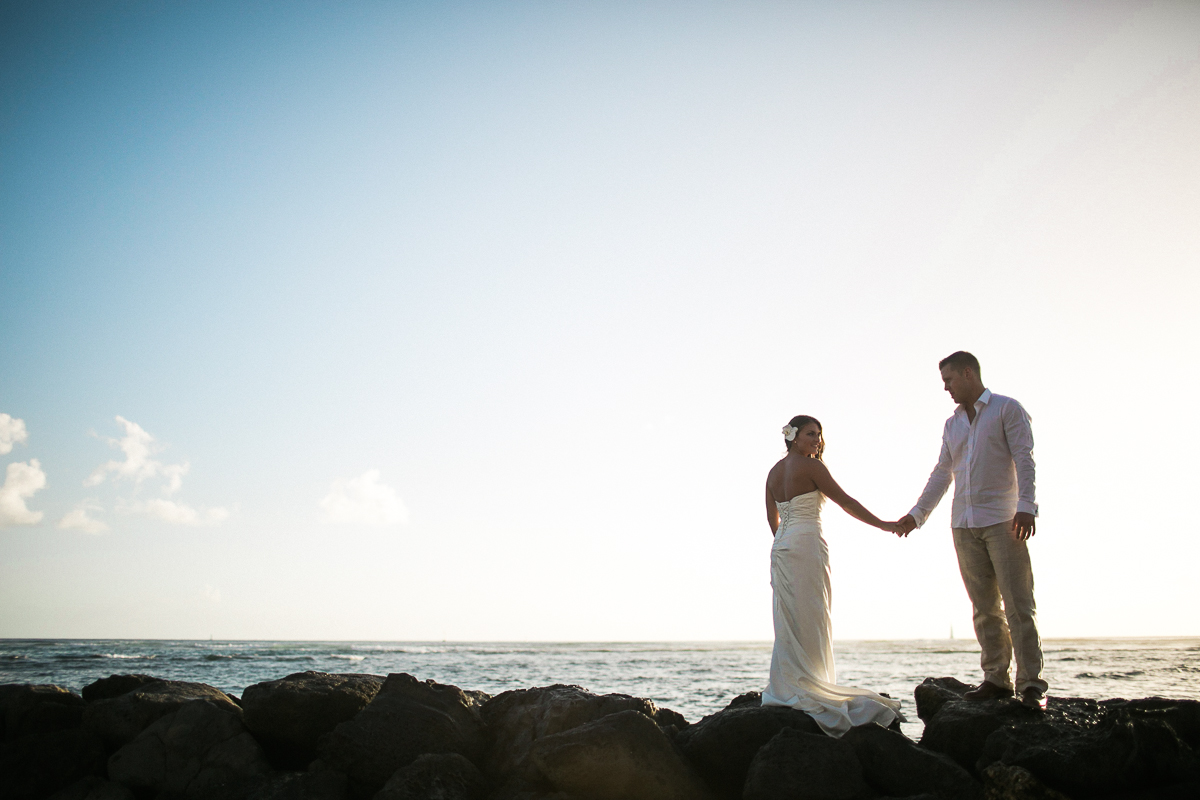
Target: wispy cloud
{"points": [[138, 447], [79, 519], [21, 480], [363, 500], [12, 431], [140, 466], [174, 513]]}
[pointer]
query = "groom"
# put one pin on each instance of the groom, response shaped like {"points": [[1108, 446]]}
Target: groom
{"points": [[987, 451]]}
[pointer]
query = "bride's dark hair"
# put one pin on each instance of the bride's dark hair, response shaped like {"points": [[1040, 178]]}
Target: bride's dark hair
{"points": [[798, 422]]}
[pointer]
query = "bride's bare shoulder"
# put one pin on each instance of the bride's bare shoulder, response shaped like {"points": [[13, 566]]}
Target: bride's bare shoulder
{"points": [[777, 476]]}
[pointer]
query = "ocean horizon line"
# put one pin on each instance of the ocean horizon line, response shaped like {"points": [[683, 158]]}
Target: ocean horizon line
{"points": [[755, 642]]}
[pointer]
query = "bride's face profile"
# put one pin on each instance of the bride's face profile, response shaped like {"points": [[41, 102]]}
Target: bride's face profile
{"points": [[808, 441]]}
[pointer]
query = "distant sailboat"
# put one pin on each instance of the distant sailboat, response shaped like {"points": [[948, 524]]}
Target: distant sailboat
{"points": [[951, 631]]}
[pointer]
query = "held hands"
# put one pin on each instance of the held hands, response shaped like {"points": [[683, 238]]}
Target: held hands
{"points": [[899, 527], [906, 525]]}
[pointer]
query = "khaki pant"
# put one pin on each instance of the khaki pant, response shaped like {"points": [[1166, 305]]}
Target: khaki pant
{"points": [[995, 566]]}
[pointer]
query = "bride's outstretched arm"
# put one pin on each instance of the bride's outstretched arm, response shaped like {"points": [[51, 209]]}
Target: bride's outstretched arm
{"points": [[829, 487]]}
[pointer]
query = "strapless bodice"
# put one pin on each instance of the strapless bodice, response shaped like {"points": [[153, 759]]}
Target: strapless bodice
{"points": [[801, 508]]}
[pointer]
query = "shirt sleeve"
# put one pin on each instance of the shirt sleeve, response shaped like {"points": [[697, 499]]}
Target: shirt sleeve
{"points": [[1019, 434], [935, 488]]}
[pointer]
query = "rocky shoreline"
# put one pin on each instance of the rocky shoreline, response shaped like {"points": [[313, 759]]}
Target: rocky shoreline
{"points": [[321, 736]]}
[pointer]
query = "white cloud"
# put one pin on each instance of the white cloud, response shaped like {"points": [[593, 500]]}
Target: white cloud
{"points": [[79, 520], [363, 500], [139, 466], [12, 431], [174, 474], [210, 594], [175, 513], [138, 447], [21, 480]]}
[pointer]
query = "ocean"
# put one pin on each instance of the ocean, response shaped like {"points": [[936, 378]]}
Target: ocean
{"points": [[693, 678]]}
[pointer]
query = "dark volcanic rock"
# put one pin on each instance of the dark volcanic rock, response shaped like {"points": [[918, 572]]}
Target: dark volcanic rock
{"points": [[804, 766], [37, 708], [40, 764], [1014, 783], [321, 785], [407, 718], [933, 693], [441, 776], [518, 719], [960, 729], [118, 720], [622, 756], [747, 699], [722, 745], [1078, 747], [1182, 715], [1118, 754], [93, 788], [894, 765], [115, 686], [200, 751], [289, 715]]}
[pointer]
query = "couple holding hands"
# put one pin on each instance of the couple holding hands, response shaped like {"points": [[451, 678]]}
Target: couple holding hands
{"points": [[987, 452]]}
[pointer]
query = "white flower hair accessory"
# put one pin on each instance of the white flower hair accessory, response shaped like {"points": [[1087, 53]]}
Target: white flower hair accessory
{"points": [[789, 432]]}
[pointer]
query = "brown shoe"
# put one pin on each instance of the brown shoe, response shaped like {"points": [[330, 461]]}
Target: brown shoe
{"points": [[988, 691], [1034, 698]]}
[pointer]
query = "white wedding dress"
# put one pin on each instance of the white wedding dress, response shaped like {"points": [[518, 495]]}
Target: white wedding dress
{"points": [[802, 674]]}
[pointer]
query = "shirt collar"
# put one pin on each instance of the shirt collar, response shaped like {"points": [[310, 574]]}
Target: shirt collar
{"points": [[984, 399]]}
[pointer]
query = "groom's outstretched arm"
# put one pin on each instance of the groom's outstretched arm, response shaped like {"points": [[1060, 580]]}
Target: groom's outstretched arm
{"points": [[935, 488]]}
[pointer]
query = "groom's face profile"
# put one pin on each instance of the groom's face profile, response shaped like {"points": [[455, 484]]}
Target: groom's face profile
{"points": [[958, 382]]}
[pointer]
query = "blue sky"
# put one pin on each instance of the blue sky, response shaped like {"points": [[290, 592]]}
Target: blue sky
{"points": [[479, 321]]}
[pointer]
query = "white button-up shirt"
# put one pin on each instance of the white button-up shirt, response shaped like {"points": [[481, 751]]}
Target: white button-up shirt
{"points": [[990, 460]]}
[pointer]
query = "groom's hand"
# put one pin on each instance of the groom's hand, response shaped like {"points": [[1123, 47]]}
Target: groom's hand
{"points": [[1023, 525], [907, 525]]}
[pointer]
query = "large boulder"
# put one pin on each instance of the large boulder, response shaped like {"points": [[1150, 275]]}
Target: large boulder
{"points": [[803, 766], [118, 720], [37, 708], [896, 766], [40, 764], [288, 716], [200, 751], [320, 785], [622, 756], [436, 776], [933, 693], [1077, 746], [1183, 716], [1118, 754], [753, 698], [516, 720], [1014, 783], [407, 718], [960, 728], [93, 788], [722, 745], [116, 685]]}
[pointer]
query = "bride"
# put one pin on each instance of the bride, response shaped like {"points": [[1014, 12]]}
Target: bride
{"points": [[802, 673]]}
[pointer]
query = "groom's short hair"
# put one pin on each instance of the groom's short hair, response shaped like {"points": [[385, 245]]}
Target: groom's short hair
{"points": [[959, 360]]}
